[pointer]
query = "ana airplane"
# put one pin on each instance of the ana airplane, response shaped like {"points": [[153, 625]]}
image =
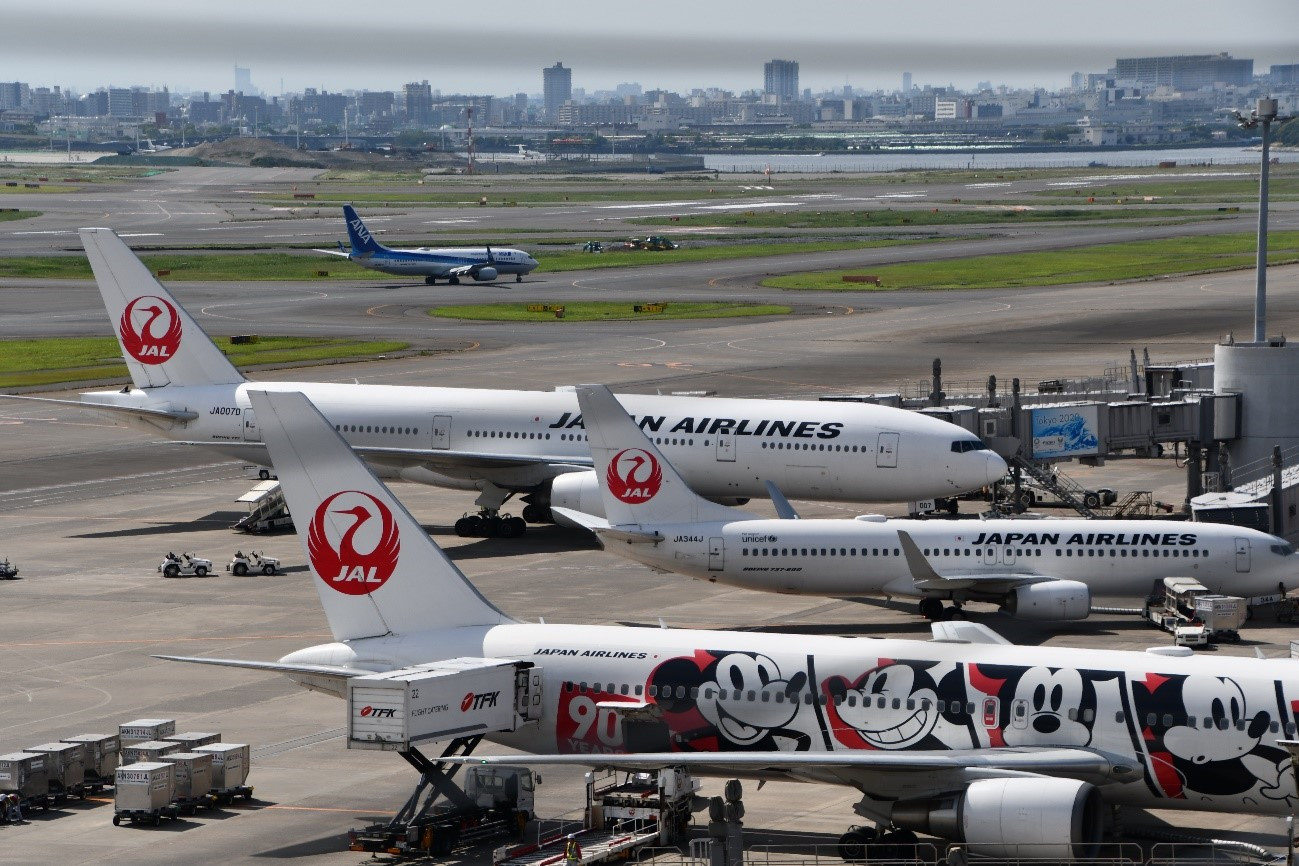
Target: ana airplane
{"points": [[479, 263], [529, 443], [965, 738], [1033, 569]]}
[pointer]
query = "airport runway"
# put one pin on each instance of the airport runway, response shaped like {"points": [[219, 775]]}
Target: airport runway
{"points": [[88, 508]]}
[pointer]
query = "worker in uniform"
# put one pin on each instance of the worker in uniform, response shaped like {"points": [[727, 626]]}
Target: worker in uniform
{"points": [[14, 809], [572, 850]]}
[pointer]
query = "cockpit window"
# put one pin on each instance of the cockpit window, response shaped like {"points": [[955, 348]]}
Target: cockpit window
{"points": [[960, 446], [1283, 549]]}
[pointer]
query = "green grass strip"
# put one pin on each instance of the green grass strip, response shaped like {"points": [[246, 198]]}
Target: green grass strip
{"points": [[6, 215], [945, 216], [604, 311], [52, 361], [1104, 263]]}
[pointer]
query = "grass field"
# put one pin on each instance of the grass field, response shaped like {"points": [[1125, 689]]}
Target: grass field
{"points": [[76, 359], [1098, 264], [597, 311], [938, 216], [7, 215], [1281, 187]]}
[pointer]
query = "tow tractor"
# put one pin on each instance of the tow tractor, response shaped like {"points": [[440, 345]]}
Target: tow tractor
{"points": [[253, 561], [8, 571], [185, 564], [1194, 616]]}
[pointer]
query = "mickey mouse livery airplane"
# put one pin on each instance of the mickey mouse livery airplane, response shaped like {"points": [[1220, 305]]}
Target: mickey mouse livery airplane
{"points": [[503, 442], [479, 263], [966, 737], [1035, 569]]}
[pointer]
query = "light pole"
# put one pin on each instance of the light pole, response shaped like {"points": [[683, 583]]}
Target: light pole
{"points": [[1265, 113]]}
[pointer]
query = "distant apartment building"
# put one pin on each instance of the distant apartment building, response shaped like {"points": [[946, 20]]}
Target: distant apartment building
{"points": [[14, 94], [595, 114], [780, 79], [417, 98], [121, 102], [1284, 74], [556, 88], [375, 104], [244, 82], [1186, 71]]}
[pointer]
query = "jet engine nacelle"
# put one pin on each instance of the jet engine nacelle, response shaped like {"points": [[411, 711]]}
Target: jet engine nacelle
{"points": [[1041, 819], [578, 491], [732, 501], [1050, 600], [485, 275]]}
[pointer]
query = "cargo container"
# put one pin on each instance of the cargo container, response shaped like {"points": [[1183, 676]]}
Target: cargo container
{"points": [[230, 765], [102, 753], [150, 750], [143, 730], [24, 774], [396, 710], [192, 739], [193, 779], [65, 769], [144, 793]]}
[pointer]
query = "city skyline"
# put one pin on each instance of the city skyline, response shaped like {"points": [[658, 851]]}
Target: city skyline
{"points": [[292, 46]]}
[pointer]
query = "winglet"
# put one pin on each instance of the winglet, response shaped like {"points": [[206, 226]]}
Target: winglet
{"points": [[784, 510]]}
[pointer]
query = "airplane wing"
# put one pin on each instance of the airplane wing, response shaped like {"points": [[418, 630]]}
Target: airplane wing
{"points": [[448, 462], [276, 667], [134, 411], [345, 254]]}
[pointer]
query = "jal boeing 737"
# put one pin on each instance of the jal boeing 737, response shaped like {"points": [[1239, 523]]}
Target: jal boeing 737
{"points": [[1033, 569], [529, 443], [966, 737], [483, 264]]}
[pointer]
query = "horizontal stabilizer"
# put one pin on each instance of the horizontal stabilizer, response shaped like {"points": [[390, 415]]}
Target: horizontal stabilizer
{"points": [[276, 667], [964, 631], [135, 411]]}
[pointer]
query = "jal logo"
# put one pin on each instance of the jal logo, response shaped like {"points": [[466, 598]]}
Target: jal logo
{"points": [[353, 542], [150, 330], [634, 476], [378, 712], [479, 701], [361, 231]]}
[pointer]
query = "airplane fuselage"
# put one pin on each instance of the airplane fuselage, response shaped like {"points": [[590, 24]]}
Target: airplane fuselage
{"points": [[726, 447], [432, 262], [864, 556], [1195, 733]]}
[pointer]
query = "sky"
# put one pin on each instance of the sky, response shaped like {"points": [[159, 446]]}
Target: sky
{"points": [[500, 47]]}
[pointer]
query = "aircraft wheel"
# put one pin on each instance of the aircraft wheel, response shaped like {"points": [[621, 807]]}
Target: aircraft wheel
{"points": [[513, 527], [1025, 500], [264, 474], [490, 527], [467, 527], [455, 281], [430, 281], [1092, 499], [518, 278], [931, 608], [172, 570], [953, 613], [268, 570], [852, 845], [898, 845], [240, 569]]}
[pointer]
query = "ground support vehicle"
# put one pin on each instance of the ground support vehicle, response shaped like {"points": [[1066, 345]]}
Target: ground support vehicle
{"points": [[193, 778], [8, 571], [24, 774], [65, 769], [653, 242], [230, 765], [625, 811], [1195, 616], [252, 562], [186, 564], [102, 754], [144, 793]]}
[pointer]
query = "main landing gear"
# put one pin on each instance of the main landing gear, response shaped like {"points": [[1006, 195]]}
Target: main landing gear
{"points": [[932, 609], [860, 844], [490, 524]]}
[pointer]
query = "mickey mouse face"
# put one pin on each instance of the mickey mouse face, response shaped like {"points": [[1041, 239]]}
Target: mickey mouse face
{"points": [[742, 701], [1223, 729], [890, 710], [1045, 697]]}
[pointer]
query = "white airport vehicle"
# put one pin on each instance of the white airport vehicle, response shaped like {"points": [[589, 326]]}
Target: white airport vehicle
{"points": [[1033, 569], [184, 564], [522, 443], [1195, 616], [8, 571], [482, 264], [254, 562], [1011, 749]]}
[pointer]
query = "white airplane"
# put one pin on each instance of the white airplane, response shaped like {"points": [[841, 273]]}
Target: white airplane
{"points": [[531, 443], [479, 263], [1033, 569], [965, 737]]}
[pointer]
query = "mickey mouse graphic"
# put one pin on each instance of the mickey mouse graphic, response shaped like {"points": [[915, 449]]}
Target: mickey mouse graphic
{"points": [[1040, 709]]}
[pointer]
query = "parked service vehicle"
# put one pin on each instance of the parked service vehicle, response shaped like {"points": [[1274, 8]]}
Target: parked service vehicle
{"points": [[252, 562], [185, 564], [143, 793], [8, 571], [1195, 616]]}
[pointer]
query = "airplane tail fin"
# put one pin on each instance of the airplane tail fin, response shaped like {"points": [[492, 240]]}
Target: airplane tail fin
{"points": [[637, 482], [363, 243], [376, 569], [161, 342]]}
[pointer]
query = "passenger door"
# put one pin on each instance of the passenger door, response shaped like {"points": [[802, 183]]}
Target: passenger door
{"points": [[887, 455], [251, 431], [441, 431], [1242, 555], [716, 554]]}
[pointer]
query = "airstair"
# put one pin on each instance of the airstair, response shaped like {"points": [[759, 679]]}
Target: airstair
{"points": [[267, 510], [1068, 491]]}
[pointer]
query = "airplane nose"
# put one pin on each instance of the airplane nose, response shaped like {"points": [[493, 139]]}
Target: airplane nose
{"points": [[996, 467]]}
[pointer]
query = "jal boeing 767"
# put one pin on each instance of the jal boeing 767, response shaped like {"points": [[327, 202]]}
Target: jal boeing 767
{"points": [[1017, 751], [528, 443]]}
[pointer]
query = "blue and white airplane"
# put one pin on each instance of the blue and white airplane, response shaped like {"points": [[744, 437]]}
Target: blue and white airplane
{"points": [[479, 263]]}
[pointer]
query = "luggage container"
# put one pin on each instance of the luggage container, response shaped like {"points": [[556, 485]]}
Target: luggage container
{"points": [[151, 750], [191, 740], [143, 730], [144, 792], [193, 778], [102, 753], [230, 765], [65, 769], [24, 774]]}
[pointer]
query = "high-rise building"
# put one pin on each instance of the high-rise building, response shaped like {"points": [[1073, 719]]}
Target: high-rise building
{"points": [[418, 98], [1186, 71], [906, 84], [14, 94], [780, 78], [557, 88], [244, 82]]}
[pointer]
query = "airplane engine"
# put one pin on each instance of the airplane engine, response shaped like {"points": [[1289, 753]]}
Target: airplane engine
{"points": [[485, 275], [732, 501], [1050, 600], [579, 491], [1041, 819]]}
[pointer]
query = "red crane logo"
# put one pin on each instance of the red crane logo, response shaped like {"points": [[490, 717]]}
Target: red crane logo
{"points": [[337, 560], [144, 343], [634, 476]]}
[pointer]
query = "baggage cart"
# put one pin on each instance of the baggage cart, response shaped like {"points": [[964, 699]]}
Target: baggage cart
{"points": [[193, 781], [190, 740], [143, 793], [65, 769], [143, 730], [23, 773], [102, 754], [230, 765], [151, 751]]}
